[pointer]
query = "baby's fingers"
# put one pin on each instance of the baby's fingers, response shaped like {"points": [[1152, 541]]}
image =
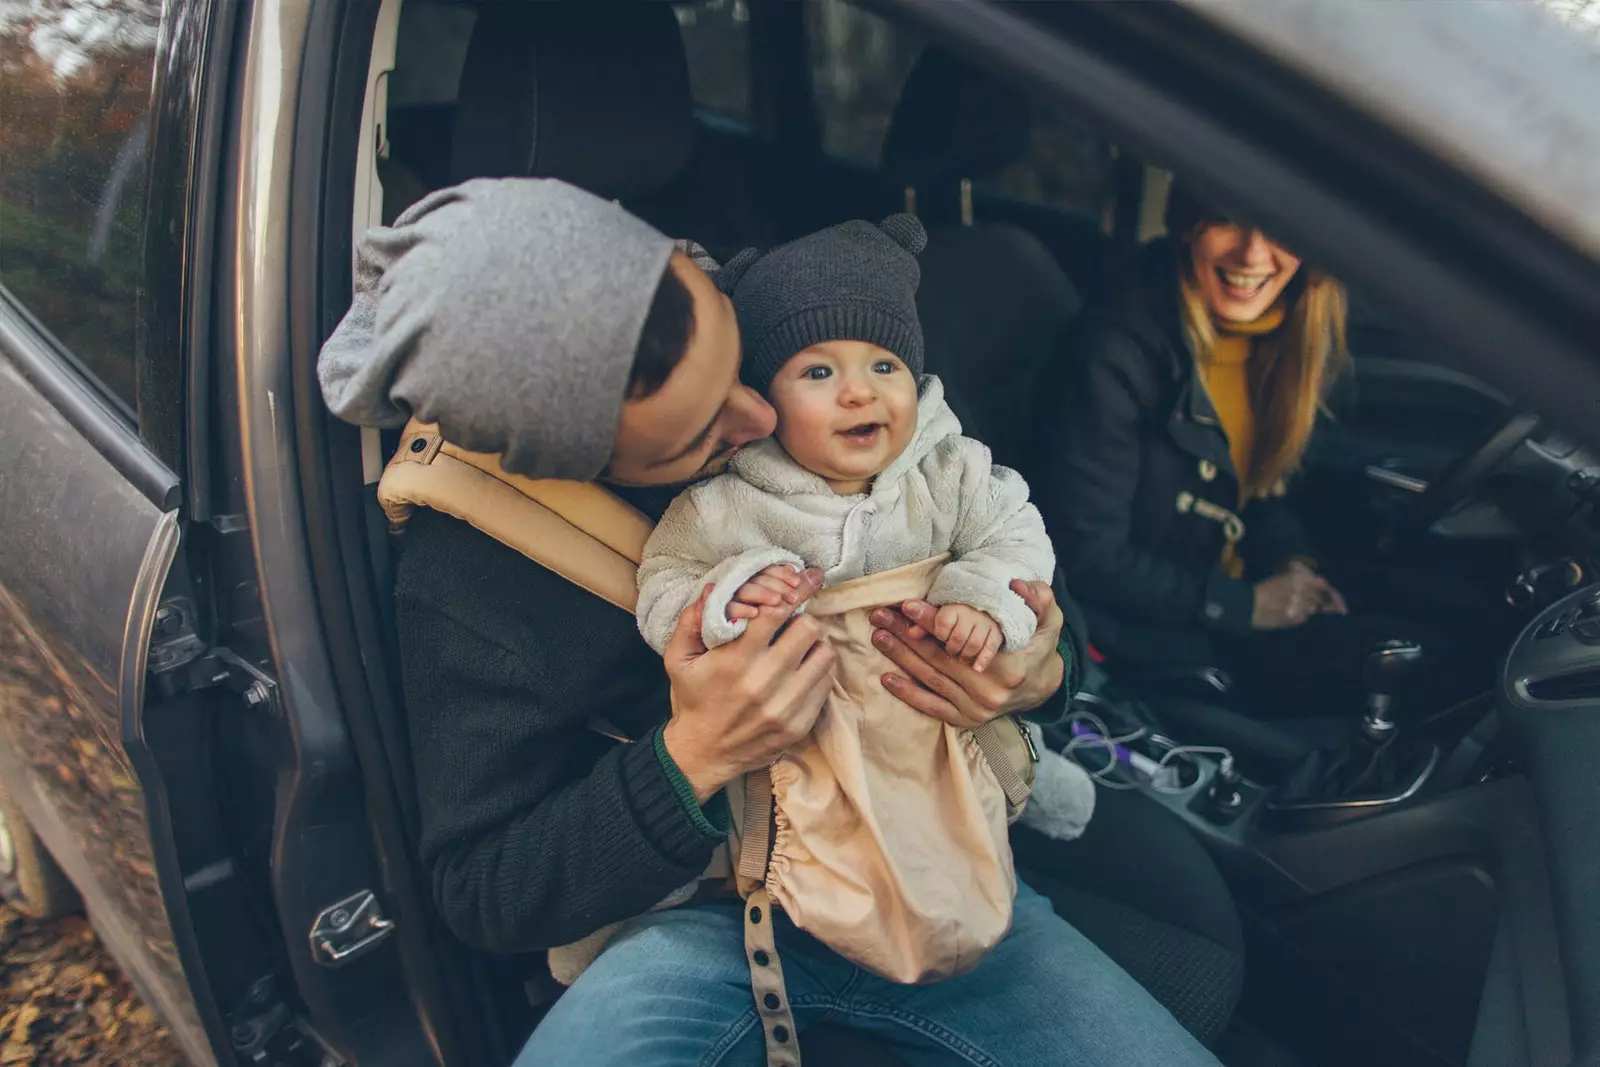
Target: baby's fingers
{"points": [[956, 643], [737, 611], [991, 648], [783, 573], [758, 595]]}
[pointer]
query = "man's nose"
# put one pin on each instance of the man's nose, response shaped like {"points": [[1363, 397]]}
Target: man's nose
{"points": [[750, 417]]}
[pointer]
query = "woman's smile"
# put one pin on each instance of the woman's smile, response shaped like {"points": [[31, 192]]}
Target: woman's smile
{"points": [[1244, 285]]}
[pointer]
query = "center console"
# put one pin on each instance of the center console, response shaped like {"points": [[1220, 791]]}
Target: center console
{"points": [[1384, 762]]}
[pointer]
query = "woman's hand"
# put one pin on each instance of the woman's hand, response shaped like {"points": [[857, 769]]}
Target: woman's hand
{"points": [[936, 683], [1289, 598]]}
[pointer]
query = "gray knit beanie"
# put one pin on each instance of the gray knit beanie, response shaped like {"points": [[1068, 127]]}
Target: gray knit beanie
{"points": [[507, 311], [851, 282]]}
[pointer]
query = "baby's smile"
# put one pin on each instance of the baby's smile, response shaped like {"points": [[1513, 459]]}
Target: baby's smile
{"points": [[864, 435]]}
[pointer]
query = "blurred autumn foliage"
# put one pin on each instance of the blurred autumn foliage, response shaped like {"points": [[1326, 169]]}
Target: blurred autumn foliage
{"points": [[64, 1003], [75, 78]]}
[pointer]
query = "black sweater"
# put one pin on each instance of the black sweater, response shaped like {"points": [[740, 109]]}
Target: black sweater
{"points": [[535, 831]]}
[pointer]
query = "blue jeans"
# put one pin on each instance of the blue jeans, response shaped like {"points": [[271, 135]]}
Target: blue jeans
{"points": [[673, 990]]}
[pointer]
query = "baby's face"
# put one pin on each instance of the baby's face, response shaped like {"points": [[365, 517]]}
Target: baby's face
{"points": [[846, 409]]}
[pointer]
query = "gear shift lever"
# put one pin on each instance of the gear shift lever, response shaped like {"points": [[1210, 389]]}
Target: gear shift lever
{"points": [[1393, 669]]}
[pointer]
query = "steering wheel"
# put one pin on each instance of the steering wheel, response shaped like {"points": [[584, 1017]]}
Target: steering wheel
{"points": [[1458, 481]]}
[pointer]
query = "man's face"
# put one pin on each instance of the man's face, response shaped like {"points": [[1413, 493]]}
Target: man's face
{"points": [[691, 427]]}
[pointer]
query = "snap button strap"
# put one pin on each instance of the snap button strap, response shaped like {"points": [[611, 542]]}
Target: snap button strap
{"points": [[766, 982]]}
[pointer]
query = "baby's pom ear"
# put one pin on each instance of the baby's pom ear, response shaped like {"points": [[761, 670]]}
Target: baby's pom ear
{"points": [[907, 232], [727, 279]]}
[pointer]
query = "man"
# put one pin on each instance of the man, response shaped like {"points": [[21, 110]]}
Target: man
{"points": [[533, 320]]}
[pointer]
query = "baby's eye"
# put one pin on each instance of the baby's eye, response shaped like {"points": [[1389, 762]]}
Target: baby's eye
{"points": [[884, 366], [817, 374]]}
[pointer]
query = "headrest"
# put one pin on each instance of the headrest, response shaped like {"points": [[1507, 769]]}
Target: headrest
{"points": [[954, 122], [595, 93]]}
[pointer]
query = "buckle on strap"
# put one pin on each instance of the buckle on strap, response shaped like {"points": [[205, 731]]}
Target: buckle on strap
{"points": [[1232, 525]]}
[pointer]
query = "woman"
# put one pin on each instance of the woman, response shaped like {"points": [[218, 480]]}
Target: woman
{"points": [[1177, 420]]}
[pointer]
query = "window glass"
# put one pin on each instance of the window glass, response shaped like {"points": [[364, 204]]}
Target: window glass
{"points": [[1068, 165], [74, 117], [716, 38], [859, 63], [1581, 16]]}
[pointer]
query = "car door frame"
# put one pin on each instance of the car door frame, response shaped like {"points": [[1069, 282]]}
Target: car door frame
{"points": [[116, 535]]}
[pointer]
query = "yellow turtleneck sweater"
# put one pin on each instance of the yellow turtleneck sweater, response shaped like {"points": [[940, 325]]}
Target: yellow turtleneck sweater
{"points": [[1225, 374]]}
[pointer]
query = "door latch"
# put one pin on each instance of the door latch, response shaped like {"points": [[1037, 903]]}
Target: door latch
{"points": [[348, 930]]}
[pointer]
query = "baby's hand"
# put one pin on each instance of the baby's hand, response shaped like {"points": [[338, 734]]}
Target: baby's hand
{"points": [[770, 588], [968, 634]]}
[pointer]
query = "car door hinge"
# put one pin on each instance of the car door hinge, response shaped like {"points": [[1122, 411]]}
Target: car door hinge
{"points": [[173, 641], [180, 662], [265, 1032], [349, 929]]}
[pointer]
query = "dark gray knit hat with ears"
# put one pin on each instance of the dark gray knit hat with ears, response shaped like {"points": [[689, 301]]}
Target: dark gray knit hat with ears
{"points": [[851, 282]]}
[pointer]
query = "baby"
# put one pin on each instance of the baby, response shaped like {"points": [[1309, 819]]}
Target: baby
{"points": [[868, 470], [889, 839]]}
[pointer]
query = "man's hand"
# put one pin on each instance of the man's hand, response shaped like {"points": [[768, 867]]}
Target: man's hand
{"points": [[936, 683], [968, 634], [779, 584], [738, 707]]}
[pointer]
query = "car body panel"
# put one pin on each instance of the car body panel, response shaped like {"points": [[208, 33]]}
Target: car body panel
{"points": [[83, 554]]}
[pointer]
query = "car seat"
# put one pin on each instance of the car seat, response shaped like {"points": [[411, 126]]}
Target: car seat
{"points": [[955, 125]]}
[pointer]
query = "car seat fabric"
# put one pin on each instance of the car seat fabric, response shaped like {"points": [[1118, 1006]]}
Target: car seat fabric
{"points": [[954, 122], [995, 310], [596, 94]]}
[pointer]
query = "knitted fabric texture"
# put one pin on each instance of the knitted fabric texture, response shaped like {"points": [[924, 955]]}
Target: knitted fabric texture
{"points": [[850, 282]]}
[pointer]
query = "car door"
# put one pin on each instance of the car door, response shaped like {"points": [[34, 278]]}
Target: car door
{"points": [[88, 504]]}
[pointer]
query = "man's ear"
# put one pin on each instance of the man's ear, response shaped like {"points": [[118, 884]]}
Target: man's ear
{"points": [[727, 279]]}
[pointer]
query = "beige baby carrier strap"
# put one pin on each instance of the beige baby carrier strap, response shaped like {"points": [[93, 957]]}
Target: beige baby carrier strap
{"points": [[590, 537]]}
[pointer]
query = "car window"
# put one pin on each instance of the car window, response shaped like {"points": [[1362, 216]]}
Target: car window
{"points": [[74, 118], [859, 66], [859, 63], [1068, 165], [1581, 16], [716, 39]]}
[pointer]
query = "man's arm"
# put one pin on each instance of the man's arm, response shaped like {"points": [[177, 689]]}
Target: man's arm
{"points": [[535, 831]]}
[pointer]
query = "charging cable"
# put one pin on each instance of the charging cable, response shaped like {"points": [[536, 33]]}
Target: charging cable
{"points": [[1099, 736], [1165, 784]]}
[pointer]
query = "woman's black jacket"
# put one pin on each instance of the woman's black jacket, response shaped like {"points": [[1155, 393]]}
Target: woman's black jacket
{"points": [[1128, 442]]}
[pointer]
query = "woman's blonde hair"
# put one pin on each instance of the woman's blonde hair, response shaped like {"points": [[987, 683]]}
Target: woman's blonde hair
{"points": [[1291, 369]]}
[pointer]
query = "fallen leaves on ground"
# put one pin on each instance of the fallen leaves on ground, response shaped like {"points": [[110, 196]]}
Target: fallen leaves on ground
{"points": [[64, 1003]]}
